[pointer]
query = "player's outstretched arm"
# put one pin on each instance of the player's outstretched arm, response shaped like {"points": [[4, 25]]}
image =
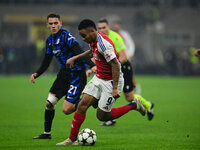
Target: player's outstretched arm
{"points": [[85, 55], [45, 64], [33, 76]]}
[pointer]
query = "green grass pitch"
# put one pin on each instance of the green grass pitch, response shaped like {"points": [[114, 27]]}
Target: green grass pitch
{"points": [[176, 125]]}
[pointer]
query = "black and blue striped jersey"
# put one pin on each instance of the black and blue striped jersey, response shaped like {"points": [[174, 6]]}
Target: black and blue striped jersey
{"points": [[62, 46]]}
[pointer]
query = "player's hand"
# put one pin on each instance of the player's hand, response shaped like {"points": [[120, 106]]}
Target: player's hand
{"points": [[94, 69], [33, 76], [70, 63], [197, 52], [88, 72], [116, 93]]}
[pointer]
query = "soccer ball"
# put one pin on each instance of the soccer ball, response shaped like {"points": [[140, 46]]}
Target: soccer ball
{"points": [[87, 137]]}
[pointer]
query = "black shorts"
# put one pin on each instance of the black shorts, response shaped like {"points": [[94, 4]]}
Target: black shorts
{"points": [[128, 75], [70, 84]]}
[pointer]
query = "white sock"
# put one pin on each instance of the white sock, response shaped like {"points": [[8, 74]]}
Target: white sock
{"points": [[47, 132]]}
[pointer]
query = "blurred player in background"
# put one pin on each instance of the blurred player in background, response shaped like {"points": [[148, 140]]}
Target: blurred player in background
{"points": [[130, 50], [70, 81], [103, 26], [105, 86], [197, 52]]}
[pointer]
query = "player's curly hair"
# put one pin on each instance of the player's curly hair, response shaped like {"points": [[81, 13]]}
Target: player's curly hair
{"points": [[53, 15], [84, 24]]}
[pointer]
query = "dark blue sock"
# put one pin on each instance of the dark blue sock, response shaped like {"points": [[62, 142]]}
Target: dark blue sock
{"points": [[49, 115]]}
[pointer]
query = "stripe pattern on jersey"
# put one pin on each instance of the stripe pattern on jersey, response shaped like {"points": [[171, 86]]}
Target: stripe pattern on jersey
{"points": [[101, 44], [60, 46]]}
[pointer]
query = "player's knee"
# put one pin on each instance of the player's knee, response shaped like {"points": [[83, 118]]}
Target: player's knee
{"points": [[51, 101], [48, 104], [103, 116], [100, 117], [129, 96], [68, 111]]}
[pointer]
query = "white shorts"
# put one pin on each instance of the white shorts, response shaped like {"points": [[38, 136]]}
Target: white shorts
{"points": [[102, 91]]}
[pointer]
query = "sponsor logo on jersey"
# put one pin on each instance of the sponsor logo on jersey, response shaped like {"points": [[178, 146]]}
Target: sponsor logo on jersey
{"points": [[58, 41]]}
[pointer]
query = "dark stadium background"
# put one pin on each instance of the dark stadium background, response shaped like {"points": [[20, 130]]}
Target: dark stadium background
{"points": [[165, 32]]}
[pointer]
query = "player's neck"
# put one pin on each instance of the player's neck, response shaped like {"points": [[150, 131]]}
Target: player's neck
{"points": [[54, 35]]}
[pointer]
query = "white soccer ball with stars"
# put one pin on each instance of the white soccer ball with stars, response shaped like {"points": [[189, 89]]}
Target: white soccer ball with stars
{"points": [[87, 137]]}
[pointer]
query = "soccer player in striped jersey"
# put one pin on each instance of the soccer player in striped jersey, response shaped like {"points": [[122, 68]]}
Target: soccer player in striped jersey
{"points": [[70, 81], [105, 86]]}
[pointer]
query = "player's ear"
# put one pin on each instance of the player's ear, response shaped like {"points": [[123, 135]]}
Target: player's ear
{"points": [[92, 29], [47, 25], [108, 27]]}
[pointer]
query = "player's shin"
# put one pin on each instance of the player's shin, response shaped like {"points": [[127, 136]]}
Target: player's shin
{"points": [[49, 115], [50, 112], [120, 111], [76, 124]]}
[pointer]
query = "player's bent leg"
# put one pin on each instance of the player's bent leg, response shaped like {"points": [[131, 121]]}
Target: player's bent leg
{"points": [[85, 103], [117, 112], [129, 96], [106, 117], [78, 119], [68, 107], [103, 116], [52, 100]]}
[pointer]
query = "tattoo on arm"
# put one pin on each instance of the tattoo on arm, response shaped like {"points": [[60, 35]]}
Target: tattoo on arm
{"points": [[115, 72]]}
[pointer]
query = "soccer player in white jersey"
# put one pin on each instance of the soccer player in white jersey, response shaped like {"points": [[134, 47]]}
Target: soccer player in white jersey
{"points": [[105, 86]]}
